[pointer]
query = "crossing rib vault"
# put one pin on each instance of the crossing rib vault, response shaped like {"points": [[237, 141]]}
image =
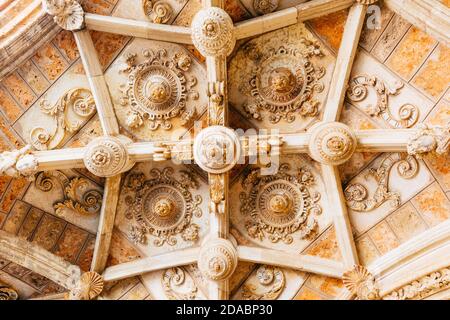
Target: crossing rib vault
{"points": [[187, 208]]}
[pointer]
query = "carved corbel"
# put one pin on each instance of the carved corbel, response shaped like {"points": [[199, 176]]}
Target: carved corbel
{"points": [[18, 163], [87, 287], [68, 14], [429, 139], [7, 292], [360, 282]]}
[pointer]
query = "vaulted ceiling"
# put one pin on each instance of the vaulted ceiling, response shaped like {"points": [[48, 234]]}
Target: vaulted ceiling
{"points": [[240, 149]]}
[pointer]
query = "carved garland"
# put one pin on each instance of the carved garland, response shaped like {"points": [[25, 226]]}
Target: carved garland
{"points": [[280, 205], [75, 103], [163, 207], [358, 91], [284, 82], [272, 281], [422, 287], [357, 195], [175, 286], [158, 88]]}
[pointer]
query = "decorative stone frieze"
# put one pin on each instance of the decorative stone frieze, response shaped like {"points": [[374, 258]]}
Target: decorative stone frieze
{"points": [[422, 287], [212, 32]]}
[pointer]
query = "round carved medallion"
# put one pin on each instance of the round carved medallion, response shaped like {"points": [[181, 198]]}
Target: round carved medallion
{"points": [[107, 156], [164, 206], [217, 149], [265, 6], [217, 259], [332, 143], [158, 88], [283, 84], [279, 205], [212, 32]]}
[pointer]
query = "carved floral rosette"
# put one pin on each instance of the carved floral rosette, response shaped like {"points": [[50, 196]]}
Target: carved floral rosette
{"points": [[176, 287], [212, 32], [283, 83], [218, 259], [271, 283], [358, 90], [69, 112], [158, 88], [360, 282], [162, 206], [280, 205], [357, 195]]}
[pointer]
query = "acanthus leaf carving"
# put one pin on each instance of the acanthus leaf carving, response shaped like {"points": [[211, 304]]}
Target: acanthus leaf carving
{"points": [[74, 105], [176, 287], [157, 11], [280, 205], [429, 139], [81, 197], [271, 282], [68, 14], [283, 83], [357, 195], [163, 206], [358, 91], [158, 88]]}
